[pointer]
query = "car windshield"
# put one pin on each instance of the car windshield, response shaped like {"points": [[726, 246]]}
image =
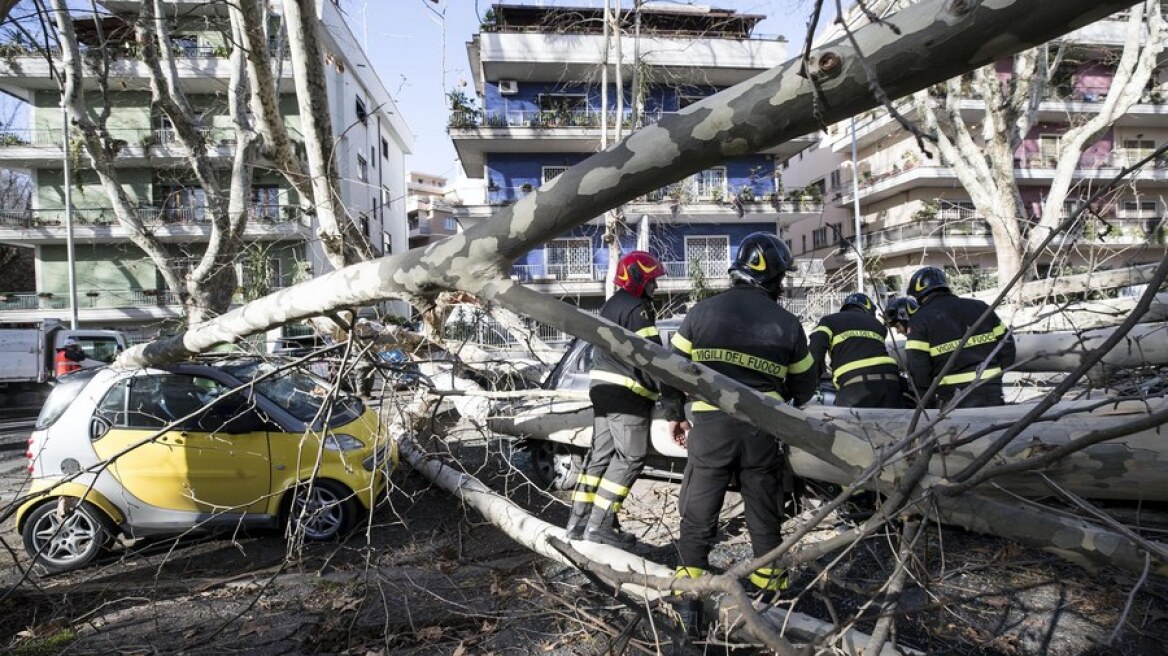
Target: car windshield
{"points": [[62, 396], [104, 349], [300, 393]]}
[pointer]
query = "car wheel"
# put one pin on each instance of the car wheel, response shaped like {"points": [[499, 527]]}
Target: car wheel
{"points": [[60, 544], [554, 466], [322, 510]]}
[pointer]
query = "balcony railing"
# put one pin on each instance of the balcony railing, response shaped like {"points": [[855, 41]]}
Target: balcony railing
{"points": [[536, 118], [148, 215], [96, 299], [127, 50], [1116, 231], [138, 137], [676, 270]]}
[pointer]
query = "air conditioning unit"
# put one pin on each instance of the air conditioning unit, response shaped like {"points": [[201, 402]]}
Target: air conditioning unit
{"points": [[508, 87]]}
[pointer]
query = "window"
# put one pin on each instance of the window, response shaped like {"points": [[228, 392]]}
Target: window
{"points": [[362, 113], [385, 148], [155, 401], [569, 258], [836, 178], [386, 243], [451, 224], [362, 169], [684, 101], [819, 238], [1048, 148], [363, 219], [554, 102], [804, 237], [164, 132], [1134, 150], [709, 254], [373, 156], [258, 274], [550, 173], [186, 45], [265, 203], [184, 205], [1139, 209], [710, 184], [956, 209]]}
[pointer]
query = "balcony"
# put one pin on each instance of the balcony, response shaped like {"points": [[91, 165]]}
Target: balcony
{"points": [[476, 133], [974, 234], [203, 69], [701, 59], [131, 147], [589, 278], [95, 305], [171, 224]]}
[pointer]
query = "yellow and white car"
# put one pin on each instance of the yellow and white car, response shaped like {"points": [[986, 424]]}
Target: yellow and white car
{"points": [[197, 446]]}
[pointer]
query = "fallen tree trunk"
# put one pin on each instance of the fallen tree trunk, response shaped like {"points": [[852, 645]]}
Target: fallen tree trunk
{"points": [[1133, 467]]}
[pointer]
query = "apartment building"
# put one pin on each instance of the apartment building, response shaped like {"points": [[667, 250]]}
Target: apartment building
{"points": [[117, 284], [545, 97], [913, 210], [429, 212]]}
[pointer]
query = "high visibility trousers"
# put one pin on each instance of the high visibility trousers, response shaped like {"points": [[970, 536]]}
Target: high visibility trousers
{"points": [[619, 444], [720, 446]]}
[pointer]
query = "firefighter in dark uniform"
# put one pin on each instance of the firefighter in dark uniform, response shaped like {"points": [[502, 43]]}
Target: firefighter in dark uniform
{"points": [[744, 334], [899, 311], [862, 371], [622, 405], [935, 332]]}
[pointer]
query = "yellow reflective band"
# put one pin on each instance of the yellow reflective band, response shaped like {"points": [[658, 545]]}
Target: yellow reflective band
{"points": [[682, 344], [752, 362], [702, 406], [651, 331], [772, 580], [803, 365], [916, 345], [619, 491], [970, 376], [688, 572], [976, 340], [586, 497], [823, 329], [626, 382], [866, 334], [860, 364], [601, 502], [588, 480]]}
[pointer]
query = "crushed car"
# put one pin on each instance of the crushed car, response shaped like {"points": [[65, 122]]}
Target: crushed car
{"points": [[197, 446]]}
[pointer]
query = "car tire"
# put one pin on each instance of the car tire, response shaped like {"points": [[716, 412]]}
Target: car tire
{"points": [[554, 466], [321, 510], [64, 544]]}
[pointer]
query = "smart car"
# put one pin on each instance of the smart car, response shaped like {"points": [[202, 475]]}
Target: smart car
{"points": [[237, 442]]}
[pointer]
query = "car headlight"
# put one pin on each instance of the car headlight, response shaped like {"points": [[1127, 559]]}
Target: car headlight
{"points": [[342, 442]]}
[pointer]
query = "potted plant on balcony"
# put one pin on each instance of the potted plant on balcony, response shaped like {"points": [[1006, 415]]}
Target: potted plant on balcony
{"points": [[45, 295], [927, 211]]}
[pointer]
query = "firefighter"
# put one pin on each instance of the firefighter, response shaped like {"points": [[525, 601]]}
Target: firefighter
{"points": [[622, 403], [934, 333], [742, 333], [899, 311], [862, 371], [68, 358]]}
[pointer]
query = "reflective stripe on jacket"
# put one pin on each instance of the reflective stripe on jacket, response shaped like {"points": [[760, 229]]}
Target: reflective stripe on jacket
{"points": [[935, 333], [855, 341], [742, 333]]}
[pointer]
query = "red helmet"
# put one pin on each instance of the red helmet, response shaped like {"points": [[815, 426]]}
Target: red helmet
{"points": [[635, 270]]}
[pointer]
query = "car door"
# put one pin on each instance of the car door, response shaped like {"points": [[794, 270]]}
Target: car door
{"points": [[201, 464]]}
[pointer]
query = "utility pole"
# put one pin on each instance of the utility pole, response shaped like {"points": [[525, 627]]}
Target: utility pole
{"points": [[68, 181]]}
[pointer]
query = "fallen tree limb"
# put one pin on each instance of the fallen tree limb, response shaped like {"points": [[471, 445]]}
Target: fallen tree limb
{"points": [[643, 579]]}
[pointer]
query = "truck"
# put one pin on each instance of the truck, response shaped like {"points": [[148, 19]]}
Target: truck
{"points": [[26, 357]]}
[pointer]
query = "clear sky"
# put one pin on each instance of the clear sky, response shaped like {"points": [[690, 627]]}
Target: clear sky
{"points": [[419, 50]]}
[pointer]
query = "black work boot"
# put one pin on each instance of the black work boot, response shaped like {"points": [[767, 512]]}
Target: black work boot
{"points": [[576, 521], [689, 616], [601, 529]]}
